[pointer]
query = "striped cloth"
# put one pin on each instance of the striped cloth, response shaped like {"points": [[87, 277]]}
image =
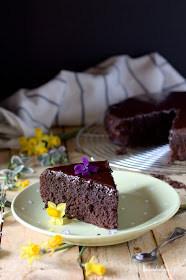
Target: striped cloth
{"points": [[73, 98]]}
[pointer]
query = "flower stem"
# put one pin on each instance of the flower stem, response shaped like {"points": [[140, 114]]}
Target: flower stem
{"points": [[9, 162], [8, 213], [70, 134], [81, 253], [81, 264], [59, 249], [65, 247]]}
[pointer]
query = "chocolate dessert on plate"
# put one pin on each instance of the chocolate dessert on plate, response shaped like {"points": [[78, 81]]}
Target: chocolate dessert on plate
{"points": [[149, 120]]}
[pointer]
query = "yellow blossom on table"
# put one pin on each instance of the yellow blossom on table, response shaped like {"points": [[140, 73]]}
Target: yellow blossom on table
{"points": [[56, 212], [53, 243], [54, 141], [95, 268], [24, 144], [32, 143], [32, 252], [40, 149], [38, 132], [22, 140], [21, 184], [46, 138]]}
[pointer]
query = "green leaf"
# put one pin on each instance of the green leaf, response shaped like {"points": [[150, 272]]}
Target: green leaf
{"points": [[7, 204], [27, 170], [18, 169], [5, 172], [12, 186], [47, 162], [40, 157], [16, 161]]}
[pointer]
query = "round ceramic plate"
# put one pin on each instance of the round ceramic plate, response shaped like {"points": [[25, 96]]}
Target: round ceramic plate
{"points": [[144, 203]]}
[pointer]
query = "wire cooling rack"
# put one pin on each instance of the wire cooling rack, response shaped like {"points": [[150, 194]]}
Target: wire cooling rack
{"points": [[94, 142]]}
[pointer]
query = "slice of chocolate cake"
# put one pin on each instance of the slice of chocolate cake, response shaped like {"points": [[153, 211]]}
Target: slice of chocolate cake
{"points": [[90, 198]]}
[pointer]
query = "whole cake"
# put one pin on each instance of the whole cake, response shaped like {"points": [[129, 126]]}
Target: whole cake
{"points": [[148, 120], [91, 198]]}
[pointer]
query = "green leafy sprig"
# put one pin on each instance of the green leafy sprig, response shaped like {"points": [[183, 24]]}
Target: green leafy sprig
{"points": [[55, 156]]}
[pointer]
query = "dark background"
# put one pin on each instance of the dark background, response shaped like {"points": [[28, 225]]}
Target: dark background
{"points": [[40, 38]]}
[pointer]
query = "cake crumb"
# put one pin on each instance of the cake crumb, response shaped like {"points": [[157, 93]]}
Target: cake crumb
{"points": [[138, 249]]}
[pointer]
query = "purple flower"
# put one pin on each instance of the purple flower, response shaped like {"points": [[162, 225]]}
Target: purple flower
{"points": [[85, 168]]}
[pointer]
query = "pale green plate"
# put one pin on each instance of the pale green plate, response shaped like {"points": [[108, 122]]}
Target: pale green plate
{"points": [[144, 203]]}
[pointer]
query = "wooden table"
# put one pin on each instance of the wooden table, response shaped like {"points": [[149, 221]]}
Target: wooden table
{"points": [[115, 258]]}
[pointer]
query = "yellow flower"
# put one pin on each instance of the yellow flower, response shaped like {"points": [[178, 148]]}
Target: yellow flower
{"points": [[54, 141], [31, 146], [40, 149], [45, 138], [38, 132], [21, 184], [32, 252], [53, 243], [32, 143], [92, 267], [24, 144], [56, 212], [22, 140]]}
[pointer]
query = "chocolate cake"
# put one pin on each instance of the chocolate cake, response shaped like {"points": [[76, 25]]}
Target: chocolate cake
{"points": [[149, 120], [90, 198]]}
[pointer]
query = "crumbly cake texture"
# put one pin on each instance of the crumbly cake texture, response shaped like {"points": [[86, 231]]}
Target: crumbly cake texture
{"points": [[149, 120], [92, 198]]}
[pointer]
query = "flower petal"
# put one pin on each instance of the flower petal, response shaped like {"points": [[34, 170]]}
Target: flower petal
{"points": [[79, 168], [91, 260], [30, 242], [61, 207], [59, 221], [30, 259], [93, 168], [38, 256], [53, 220], [52, 251], [98, 269], [85, 161], [51, 204], [24, 255], [24, 248], [86, 172]]}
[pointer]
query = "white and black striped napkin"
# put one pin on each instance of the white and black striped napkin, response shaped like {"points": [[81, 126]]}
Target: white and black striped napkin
{"points": [[73, 98]]}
